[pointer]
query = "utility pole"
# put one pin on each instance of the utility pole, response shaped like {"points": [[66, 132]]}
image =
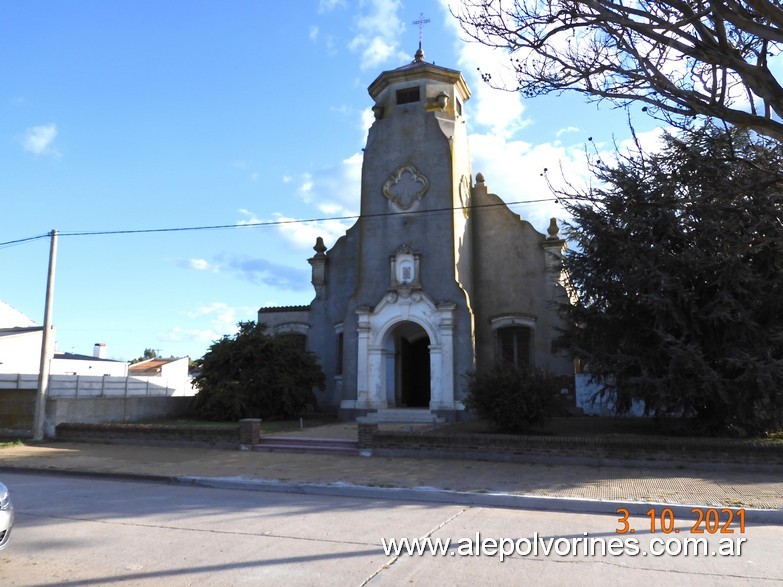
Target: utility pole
{"points": [[46, 346]]}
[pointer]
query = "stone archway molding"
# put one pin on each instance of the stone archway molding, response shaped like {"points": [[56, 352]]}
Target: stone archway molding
{"points": [[374, 327]]}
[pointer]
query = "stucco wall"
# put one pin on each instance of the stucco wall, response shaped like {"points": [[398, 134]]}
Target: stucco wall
{"points": [[20, 353], [110, 409], [511, 278]]}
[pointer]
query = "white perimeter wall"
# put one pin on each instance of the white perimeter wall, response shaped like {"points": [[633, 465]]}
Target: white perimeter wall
{"points": [[72, 386]]}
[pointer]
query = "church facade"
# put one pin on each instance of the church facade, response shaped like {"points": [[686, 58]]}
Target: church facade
{"points": [[437, 277]]}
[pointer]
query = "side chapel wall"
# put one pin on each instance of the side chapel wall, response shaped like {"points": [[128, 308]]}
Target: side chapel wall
{"points": [[512, 279]]}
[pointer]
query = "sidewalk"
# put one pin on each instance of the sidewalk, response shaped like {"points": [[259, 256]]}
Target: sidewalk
{"points": [[461, 479]]}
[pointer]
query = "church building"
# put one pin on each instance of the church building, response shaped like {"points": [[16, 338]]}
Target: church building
{"points": [[437, 277]]}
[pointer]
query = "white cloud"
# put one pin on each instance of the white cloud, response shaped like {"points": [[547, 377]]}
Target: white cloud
{"points": [[650, 141], [332, 191], [500, 111], [331, 48], [378, 32], [329, 5], [39, 140], [305, 188], [262, 271], [514, 170], [209, 323], [331, 209], [302, 235], [245, 166], [567, 129], [366, 121], [202, 265], [219, 311], [375, 50], [249, 218], [340, 184], [313, 34]]}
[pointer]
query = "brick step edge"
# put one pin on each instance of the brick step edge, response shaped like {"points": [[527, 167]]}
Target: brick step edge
{"points": [[306, 441], [299, 448]]}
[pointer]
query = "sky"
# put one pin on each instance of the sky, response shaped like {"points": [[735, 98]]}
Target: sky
{"points": [[137, 115]]}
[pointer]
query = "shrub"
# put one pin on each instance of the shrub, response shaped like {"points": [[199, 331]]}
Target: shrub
{"points": [[515, 399], [256, 375]]}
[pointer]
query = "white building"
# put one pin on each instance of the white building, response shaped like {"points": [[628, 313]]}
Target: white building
{"points": [[172, 373], [20, 350]]}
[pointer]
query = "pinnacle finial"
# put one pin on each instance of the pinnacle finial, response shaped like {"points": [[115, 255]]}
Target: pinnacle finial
{"points": [[319, 247], [419, 56], [553, 230]]}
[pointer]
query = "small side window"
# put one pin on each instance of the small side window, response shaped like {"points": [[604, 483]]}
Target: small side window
{"points": [[513, 345], [298, 340], [408, 95]]}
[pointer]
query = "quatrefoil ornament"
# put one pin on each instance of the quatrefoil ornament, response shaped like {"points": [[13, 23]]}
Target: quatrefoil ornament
{"points": [[405, 187]]}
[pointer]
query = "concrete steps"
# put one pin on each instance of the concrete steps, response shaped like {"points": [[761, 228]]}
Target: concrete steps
{"points": [[401, 416], [333, 446]]}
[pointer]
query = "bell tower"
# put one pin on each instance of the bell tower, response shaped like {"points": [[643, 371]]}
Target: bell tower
{"points": [[416, 175], [415, 226]]}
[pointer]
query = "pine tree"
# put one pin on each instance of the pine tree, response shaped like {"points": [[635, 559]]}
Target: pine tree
{"points": [[677, 261]]}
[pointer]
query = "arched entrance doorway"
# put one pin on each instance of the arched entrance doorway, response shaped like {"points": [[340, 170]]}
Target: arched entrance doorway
{"points": [[427, 331], [411, 348]]}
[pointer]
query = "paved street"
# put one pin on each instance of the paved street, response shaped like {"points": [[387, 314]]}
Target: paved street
{"points": [[93, 531]]}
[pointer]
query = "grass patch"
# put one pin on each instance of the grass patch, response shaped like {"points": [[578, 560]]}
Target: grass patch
{"points": [[589, 426], [11, 443]]}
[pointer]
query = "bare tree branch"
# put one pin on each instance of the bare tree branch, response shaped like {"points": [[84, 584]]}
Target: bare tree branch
{"points": [[683, 58]]}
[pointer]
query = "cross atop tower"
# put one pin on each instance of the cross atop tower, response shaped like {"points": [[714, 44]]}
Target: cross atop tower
{"points": [[421, 22]]}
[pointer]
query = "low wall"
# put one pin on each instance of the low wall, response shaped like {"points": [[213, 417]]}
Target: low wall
{"points": [[96, 410], [17, 410], [578, 450], [150, 434]]}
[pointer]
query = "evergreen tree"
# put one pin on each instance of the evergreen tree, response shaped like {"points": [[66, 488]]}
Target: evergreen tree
{"points": [[677, 263]]}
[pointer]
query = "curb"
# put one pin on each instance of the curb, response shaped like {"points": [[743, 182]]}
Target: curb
{"points": [[110, 475], [417, 494], [446, 496]]}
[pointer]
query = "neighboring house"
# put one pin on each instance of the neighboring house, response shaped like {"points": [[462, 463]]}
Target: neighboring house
{"points": [[12, 318], [20, 341], [173, 373], [20, 351], [74, 364], [438, 276]]}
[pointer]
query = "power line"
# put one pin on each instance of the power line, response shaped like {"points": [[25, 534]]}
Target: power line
{"points": [[23, 240], [66, 233]]}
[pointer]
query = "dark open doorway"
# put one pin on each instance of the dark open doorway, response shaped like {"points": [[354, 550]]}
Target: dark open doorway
{"points": [[413, 366]]}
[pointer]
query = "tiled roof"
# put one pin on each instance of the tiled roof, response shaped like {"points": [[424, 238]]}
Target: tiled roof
{"points": [[150, 364], [284, 309]]}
